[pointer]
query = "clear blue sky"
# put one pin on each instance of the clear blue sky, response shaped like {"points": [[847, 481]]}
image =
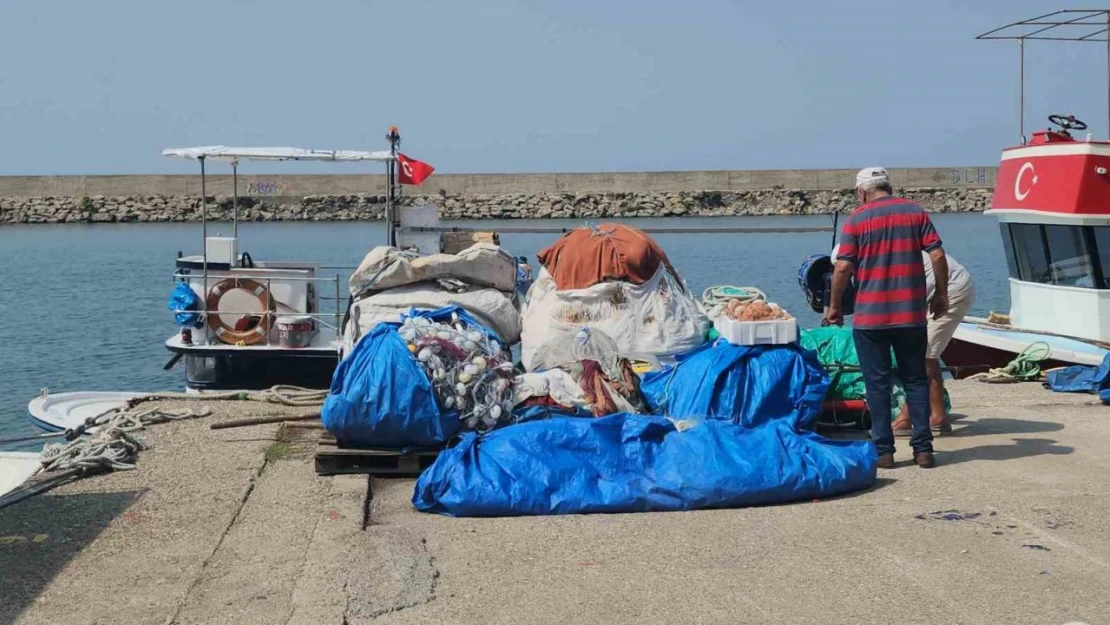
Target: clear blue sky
{"points": [[530, 85]]}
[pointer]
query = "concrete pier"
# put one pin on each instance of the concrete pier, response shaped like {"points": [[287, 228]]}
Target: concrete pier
{"points": [[233, 526]]}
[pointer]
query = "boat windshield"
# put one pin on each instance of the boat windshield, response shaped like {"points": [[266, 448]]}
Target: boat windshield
{"points": [[1063, 255]]}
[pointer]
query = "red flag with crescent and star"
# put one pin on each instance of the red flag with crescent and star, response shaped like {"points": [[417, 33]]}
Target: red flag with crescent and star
{"points": [[412, 171]]}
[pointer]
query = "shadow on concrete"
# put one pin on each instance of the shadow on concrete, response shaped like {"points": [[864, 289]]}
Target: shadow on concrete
{"points": [[1022, 448], [982, 427], [39, 536], [845, 435]]}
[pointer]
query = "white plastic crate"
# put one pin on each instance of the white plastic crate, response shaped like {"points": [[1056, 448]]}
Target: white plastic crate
{"points": [[776, 332]]}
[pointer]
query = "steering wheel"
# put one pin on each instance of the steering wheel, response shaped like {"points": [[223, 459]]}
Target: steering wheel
{"points": [[1067, 122]]}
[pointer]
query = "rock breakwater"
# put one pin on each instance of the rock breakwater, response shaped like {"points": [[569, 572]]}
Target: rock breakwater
{"points": [[101, 209]]}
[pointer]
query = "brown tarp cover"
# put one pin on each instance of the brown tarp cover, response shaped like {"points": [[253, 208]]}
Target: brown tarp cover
{"points": [[588, 256]]}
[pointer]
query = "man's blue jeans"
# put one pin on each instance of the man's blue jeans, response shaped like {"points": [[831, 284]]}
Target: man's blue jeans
{"points": [[873, 350]]}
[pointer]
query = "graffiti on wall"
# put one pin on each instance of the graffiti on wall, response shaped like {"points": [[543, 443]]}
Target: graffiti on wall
{"points": [[264, 187]]}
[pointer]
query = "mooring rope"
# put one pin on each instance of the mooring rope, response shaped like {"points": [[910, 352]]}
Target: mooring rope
{"points": [[112, 446], [1025, 368]]}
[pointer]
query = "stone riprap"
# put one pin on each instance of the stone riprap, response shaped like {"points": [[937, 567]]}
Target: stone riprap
{"points": [[101, 209]]}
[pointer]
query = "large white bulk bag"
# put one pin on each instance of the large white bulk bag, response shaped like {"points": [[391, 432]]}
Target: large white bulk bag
{"points": [[656, 318], [482, 264], [490, 307]]}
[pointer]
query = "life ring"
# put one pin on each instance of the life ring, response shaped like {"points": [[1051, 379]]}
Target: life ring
{"points": [[228, 334]]}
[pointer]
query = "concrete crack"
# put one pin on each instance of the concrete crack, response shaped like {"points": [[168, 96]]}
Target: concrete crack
{"points": [[219, 542]]}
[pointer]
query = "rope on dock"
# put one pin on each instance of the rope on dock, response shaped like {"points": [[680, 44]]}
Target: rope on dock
{"points": [[112, 446], [1025, 368]]}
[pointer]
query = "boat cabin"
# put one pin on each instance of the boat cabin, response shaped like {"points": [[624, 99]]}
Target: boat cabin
{"points": [[1052, 200]]}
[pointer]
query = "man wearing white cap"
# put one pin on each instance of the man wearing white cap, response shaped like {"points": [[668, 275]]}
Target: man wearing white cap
{"points": [[961, 295], [881, 243]]}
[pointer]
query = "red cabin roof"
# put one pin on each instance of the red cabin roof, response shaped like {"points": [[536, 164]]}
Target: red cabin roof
{"points": [[1055, 175]]}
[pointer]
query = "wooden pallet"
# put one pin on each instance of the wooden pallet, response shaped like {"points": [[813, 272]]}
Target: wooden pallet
{"points": [[332, 459]]}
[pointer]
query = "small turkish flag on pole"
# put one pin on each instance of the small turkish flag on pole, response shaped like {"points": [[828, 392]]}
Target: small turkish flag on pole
{"points": [[412, 171]]}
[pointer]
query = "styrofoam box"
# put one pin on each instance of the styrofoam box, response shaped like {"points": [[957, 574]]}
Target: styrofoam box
{"points": [[777, 332]]}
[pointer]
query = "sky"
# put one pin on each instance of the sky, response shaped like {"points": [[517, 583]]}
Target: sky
{"points": [[531, 85]]}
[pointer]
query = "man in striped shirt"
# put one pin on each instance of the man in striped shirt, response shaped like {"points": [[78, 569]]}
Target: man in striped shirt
{"points": [[882, 243]]}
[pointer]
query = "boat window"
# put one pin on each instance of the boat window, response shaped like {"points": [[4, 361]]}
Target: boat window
{"points": [[1070, 259], [1102, 250], [1029, 249], [1008, 248]]}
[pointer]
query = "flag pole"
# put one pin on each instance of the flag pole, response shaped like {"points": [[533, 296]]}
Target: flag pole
{"points": [[394, 138]]}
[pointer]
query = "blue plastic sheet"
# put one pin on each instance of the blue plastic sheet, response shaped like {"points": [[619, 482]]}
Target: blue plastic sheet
{"points": [[748, 386], [183, 302], [1082, 379], [381, 397], [635, 463]]}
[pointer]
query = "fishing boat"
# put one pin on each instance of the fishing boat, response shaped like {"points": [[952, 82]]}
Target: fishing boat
{"points": [[248, 324], [1052, 201], [65, 411]]}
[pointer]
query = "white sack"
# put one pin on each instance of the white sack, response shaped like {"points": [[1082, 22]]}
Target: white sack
{"points": [[656, 318], [489, 307], [481, 264]]}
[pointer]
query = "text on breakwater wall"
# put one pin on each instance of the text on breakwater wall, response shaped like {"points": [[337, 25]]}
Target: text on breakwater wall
{"points": [[966, 176], [267, 187]]}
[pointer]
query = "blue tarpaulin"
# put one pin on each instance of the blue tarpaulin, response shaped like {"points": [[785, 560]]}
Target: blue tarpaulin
{"points": [[635, 463], [381, 397], [1082, 379], [739, 437], [183, 301], [748, 385]]}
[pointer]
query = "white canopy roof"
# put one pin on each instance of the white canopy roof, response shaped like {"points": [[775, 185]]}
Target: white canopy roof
{"points": [[275, 154]]}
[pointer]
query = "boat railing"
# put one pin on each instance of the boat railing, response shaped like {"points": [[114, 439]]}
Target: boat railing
{"points": [[271, 315]]}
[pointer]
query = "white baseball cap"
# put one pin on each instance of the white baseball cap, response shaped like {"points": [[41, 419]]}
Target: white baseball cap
{"points": [[872, 174]]}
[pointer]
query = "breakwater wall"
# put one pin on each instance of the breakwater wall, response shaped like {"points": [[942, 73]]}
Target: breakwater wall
{"points": [[96, 199]]}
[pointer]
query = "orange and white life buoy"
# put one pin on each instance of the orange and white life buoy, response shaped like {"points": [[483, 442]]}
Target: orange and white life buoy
{"points": [[228, 333]]}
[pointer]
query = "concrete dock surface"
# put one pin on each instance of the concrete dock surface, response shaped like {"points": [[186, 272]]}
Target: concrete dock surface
{"points": [[233, 526]]}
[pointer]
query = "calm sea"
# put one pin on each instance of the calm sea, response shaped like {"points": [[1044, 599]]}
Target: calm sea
{"points": [[84, 306]]}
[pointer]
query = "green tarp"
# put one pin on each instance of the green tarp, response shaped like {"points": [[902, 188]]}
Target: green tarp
{"points": [[837, 352]]}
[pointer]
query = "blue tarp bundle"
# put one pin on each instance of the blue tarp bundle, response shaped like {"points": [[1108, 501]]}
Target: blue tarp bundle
{"points": [[748, 385], [1082, 379], [749, 407], [183, 301], [636, 463], [381, 397]]}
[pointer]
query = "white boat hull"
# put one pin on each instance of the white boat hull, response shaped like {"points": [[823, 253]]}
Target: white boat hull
{"points": [[63, 411], [976, 346], [15, 468]]}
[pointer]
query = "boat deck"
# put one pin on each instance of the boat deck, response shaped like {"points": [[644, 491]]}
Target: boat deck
{"points": [[1015, 341]]}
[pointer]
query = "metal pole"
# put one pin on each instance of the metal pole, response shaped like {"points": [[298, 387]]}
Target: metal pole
{"points": [[204, 233], [1021, 45], [391, 193], [235, 198], [1108, 73]]}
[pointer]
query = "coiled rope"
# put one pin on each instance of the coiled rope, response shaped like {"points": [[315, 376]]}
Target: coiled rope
{"points": [[714, 298], [112, 446], [1025, 368]]}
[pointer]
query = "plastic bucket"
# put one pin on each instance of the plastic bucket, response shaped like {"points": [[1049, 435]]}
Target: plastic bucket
{"points": [[295, 332]]}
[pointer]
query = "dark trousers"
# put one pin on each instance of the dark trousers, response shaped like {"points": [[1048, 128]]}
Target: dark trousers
{"points": [[873, 349]]}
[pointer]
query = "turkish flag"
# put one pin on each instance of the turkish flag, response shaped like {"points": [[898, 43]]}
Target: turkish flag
{"points": [[412, 171]]}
